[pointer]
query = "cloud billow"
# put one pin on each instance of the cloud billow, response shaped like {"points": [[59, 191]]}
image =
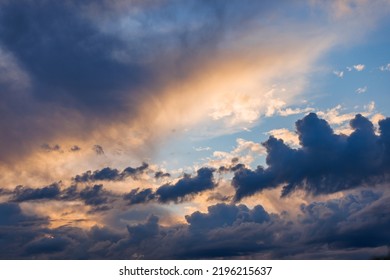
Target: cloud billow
{"points": [[178, 192], [21, 193], [109, 174], [325, 163]]}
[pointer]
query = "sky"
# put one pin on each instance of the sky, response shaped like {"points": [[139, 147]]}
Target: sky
{"points": [[197, 129]]}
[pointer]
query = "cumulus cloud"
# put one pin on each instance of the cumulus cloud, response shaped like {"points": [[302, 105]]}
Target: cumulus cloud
{"points": [[325, 163], [359, 67], [109, 174], [22, 193], [338, 116], [289, 137], [224, 215], [187, 186], [113, 80], [356, 223], [137, 71], [96, 196], [136, 196], [183, 189]]}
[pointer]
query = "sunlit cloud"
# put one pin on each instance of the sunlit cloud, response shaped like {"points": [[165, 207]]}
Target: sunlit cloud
{"points": [[359, 67]]}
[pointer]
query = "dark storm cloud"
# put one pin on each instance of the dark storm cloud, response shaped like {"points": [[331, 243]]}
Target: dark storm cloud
{"points": [[325, 163], [46, 245], [224, 215], [183, 189], [134, 172], [22, 193], [95, 196], [108, 174], [144, 231], [231, 168], [65, 54], [355, 221], [188, 185], [17, 229], [137, 196], [357, 224], [12, 215], [84, 66]]}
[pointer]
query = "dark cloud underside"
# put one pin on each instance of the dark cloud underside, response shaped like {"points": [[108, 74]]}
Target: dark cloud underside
{"points": [[325, 163]]}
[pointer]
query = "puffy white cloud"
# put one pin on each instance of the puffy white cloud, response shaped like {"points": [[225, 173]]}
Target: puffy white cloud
{"points": [[359, 67]]}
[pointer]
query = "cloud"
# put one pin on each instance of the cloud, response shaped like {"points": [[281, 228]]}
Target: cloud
{"points": [[201, 149], [144, 231], [98, 149], [187, 186], [113, 83], [224, 215], [50, 148], [100, 198], [139, 196], [75, 148], [12, 215], [183, 189], [326, 162], [352, 226], [289, 137], [161, 174], [46, 245], [385, 67], [289, 111], [113, 87], [339, 74], [361, 90], [95, 196], [245, 152], [109, 174], [359, 67], [336, 116], [22, 193]]}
